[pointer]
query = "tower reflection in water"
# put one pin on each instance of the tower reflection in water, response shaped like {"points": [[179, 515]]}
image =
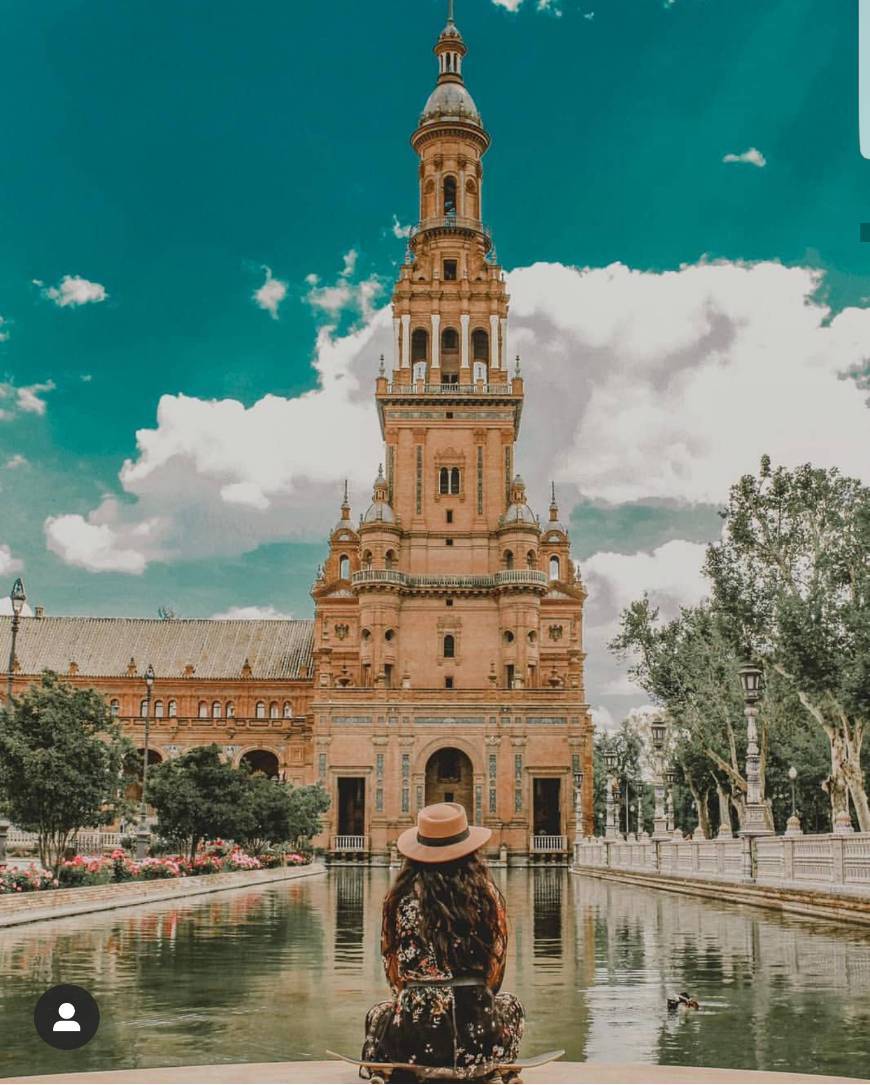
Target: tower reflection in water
{"points": [[349, 885]]}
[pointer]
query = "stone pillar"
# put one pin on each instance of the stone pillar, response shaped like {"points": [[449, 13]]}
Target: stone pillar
{"points": [[504, 343], [464, 341], [759, 821], [436, 344], [660, 821], [406, 341], [493, 342], [4, 835], [397, 341]]}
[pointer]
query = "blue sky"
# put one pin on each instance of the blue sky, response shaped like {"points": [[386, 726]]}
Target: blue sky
{"points": [[697, 161]]}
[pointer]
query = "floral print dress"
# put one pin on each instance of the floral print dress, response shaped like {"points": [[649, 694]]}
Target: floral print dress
{"points": [[434, 1023]]}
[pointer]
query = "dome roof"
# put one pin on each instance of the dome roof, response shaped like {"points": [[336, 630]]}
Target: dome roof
{"points": [[379, 512], [519, 514], [450, 101]]}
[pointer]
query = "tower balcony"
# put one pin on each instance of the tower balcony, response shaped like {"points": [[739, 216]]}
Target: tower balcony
{"points": [[479, 389], [505, 579], [437, 225]]}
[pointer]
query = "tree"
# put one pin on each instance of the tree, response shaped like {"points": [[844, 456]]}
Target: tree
{"points": [[306, 806], [61, 764], [199, 797], [792, 573]]}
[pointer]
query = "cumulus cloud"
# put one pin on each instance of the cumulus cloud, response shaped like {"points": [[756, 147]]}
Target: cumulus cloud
{"points": [[26, 399], [94, 545], [252, 614], [15, 461], [400, 231], [4, 327], [270, 295], [511, 5], [752, 157], [344, 295], [72, 291], [8, 564]]}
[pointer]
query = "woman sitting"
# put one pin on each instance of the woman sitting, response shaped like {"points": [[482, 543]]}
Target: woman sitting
{"points": [[444, 944]]}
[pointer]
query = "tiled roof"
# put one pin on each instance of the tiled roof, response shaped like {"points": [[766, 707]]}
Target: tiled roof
{"points": [[103, 647]]}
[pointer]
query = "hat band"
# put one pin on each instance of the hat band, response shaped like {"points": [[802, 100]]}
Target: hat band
{"points": [[443, 841]]}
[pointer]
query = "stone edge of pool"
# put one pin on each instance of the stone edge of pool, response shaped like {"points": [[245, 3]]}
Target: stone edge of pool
{"points": [[810, 903], [60, 903], [338, 1073]]}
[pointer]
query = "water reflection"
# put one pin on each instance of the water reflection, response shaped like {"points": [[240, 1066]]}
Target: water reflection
{"points": [[288, 971]]}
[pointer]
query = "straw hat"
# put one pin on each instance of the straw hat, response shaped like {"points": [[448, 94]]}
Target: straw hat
{"points": [[442, 834]]}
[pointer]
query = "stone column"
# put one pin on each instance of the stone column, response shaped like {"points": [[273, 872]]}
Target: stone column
{"points": [[464, 340], [493, 342], [406, 341], [436, 344], [397, 338], [504, 327], [759, 821]]}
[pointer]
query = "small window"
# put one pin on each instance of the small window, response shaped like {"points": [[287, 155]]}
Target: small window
{"points": [[173, 709], [532, 559], [508, 559], [449, 602], [158, 710], [508, 637], [260, 710], [448, 682], [533, 636], [454, 480], [344, 567], [420, 345], [450, 341], [448, 542], [390, 559], [273, 710], [202, 710], [216, 710], [231, 710], [367, 559], [444, 481], [115, 708], [449, 647], [449, 195], [366, 634], [448, 414], [388, 675], [449, 516], [450, 269], [288, 710], [555, 568], [509, 675], [480, 346], [390, 635]]}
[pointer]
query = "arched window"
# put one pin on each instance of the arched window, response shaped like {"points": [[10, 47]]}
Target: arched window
{"points": [[216, 710], [480, 345], [367, 559], [158, 710], [390, 559], [390, 635], [508, 559], [273, 710], [367, 634], [288, 710], [532, 559], [555, 568], [260, 710], [444, 481], [173, 709], [454, 480], [449, 647], [450, 340], [231, 710], [449, 195], [344, 567], [450, 356], [420, 345], [203, 710], [471, 208], [115, 707]]}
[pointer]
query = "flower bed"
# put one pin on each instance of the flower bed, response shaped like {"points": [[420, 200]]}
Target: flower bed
{"points": [[217, 858]]}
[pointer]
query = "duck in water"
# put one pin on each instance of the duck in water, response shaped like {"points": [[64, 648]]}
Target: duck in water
{"points": [[683, 1001]]}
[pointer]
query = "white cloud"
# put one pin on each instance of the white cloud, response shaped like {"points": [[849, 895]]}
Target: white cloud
{"points": [[23, 399], [93, 545], [15, 461], [511, 5], [6, 607], [400, 231], [602, 717], [270, 295], [4, 329], [752, 157], [590, 15], [9, 564], [74, 291], [343, 295], [252, 614]]}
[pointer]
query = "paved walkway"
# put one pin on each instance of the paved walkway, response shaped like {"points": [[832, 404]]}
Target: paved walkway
{"points": [[337, 1073]]}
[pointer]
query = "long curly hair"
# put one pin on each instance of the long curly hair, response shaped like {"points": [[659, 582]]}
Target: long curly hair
{"points": [[461, 912]]}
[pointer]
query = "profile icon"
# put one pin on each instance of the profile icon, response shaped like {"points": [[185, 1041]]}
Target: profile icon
{"points": [[66, 1022], [66, 1017]]}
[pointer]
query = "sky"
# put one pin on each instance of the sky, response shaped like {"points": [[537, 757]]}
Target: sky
{"points": [[203, 205]]}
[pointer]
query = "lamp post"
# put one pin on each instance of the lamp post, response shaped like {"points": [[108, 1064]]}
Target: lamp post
{"points": [[611, 831], [18, 598], [660, 822], [636, 817], [578, 806], [670, 776], [793, 825], [758, 820], [142, 833]]}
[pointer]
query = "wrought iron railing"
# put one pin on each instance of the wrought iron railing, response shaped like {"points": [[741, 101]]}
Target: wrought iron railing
{"points": [[451, 222], [530, 577]]}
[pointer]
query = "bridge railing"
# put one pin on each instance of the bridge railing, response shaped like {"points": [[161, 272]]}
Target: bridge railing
{"points": [[831, 860]]}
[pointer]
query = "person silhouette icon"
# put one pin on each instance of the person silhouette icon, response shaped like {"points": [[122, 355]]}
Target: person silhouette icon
{"points": [[67, 1023]]}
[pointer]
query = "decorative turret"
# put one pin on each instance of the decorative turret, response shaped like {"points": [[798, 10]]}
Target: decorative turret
{"points": [[380, 511], [555, 524], [518, 511]]}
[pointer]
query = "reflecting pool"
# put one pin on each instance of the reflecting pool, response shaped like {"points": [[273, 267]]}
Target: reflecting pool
{"points": [[286, 971]]}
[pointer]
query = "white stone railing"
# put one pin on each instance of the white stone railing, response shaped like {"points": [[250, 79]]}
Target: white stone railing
{"points": [[86, 842], [826, 861], [531, 577], [548, 844], [423, 388], [350, 843]]}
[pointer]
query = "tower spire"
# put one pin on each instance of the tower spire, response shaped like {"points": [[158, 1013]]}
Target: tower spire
{"points": [[449, 11]]}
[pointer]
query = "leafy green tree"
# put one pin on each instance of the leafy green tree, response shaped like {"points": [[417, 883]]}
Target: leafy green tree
{"points": [[61, 764], [265, 815], [792, 573], [307, 805], [199, 797]]}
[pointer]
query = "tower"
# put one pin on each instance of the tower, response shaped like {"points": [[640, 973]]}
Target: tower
{"points": [[448, 634]]}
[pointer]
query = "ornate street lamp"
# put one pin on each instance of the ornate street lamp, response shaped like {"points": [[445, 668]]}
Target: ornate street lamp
{"points": [[758, 821], [660, 822], [142, 834], [670, 777], [18, 598], [793, 825], [578, 806], [611, 831]]}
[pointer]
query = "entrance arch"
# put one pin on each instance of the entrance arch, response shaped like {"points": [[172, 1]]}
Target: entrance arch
{"points": [[264, 761], [450, 778], [133, 791]]}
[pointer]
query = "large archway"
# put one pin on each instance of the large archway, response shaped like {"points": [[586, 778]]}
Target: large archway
{"points": [[450, 778], [264, 761], [135, 764]]}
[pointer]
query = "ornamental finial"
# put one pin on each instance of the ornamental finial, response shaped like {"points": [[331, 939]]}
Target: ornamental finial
{"points": [[449, 11], [517, 371]]}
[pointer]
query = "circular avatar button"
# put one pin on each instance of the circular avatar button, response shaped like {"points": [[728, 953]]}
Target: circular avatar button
{"points": [[66, 1017]]}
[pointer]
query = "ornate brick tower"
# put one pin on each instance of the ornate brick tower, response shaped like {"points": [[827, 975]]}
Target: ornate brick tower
{"points": [[448, 634]]}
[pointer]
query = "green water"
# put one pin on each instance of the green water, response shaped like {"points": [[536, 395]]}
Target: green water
{"points": [[285, 972]]}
